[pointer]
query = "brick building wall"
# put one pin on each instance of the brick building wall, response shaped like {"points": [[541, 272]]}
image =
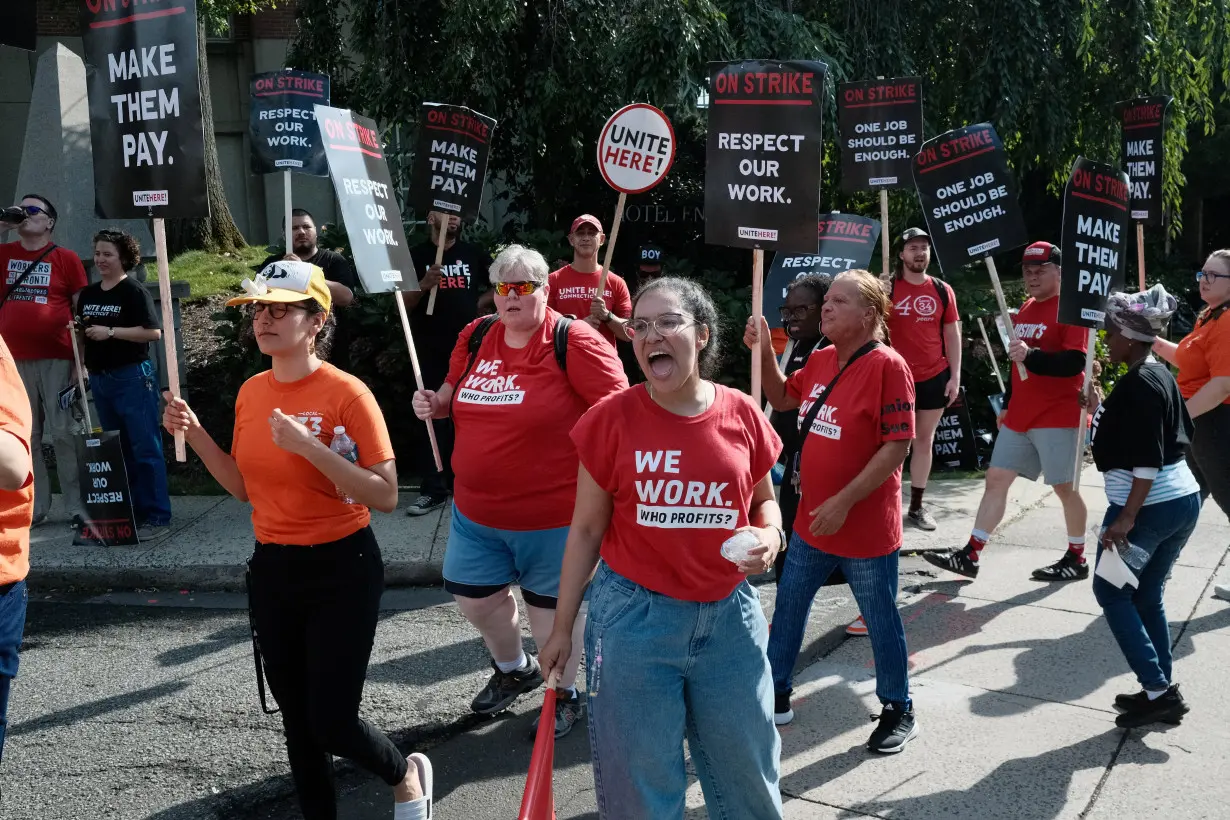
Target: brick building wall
{"points": [[61, 18]]}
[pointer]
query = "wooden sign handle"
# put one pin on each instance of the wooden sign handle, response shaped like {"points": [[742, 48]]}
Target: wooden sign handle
{"points": [[1003, 309], [418, 374], [1140, 254], [168, 324], [85, 401], [443, 223], [994, 364], [757, 313], [610, 245], [885, 274]]}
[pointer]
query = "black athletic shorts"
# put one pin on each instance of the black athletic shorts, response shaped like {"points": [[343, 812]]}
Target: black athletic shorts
{"points": [[929, 395]]}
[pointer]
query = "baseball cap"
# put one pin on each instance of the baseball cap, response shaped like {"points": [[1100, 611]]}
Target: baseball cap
{"points": [[914, 233], [286, 281], [584, 219], [1039, 253], [650, 257]]}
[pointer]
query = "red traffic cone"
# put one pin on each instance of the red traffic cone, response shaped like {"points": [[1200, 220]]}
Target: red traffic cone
{"points": [[538, 802]]}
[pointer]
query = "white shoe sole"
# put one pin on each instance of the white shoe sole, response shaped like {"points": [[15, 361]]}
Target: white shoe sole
{"points": [[924, 526], [426, 777], [896, 750], [782, 718]]}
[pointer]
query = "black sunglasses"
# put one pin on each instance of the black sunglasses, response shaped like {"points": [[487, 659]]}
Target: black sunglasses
{"points": [[33, 210]]}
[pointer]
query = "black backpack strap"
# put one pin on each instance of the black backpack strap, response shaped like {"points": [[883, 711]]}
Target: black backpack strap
{"points": [[472, 346], [561, 341], [814, 410], [942, 292]]}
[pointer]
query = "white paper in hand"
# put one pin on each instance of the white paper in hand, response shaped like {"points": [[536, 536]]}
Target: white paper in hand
{"points": [[1112, 570]]}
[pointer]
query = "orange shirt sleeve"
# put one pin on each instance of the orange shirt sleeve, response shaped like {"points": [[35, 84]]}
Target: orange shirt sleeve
{"points": [[1217, 349], [14, 404], [365, 424]]}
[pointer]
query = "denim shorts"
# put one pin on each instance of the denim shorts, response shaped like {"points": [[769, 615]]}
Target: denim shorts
{"points": [[480, 561]]}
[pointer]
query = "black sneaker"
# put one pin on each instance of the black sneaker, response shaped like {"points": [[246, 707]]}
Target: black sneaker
{"points": [[425, 504], [1169, 708], [896, 729], [1127, 702], [957, 561], [568, 710], [782, 713], [1068, 568], [505, 687], [76, 523]]}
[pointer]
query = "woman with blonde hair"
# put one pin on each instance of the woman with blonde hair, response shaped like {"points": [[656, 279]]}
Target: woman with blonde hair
{"points": [[856, 408]]}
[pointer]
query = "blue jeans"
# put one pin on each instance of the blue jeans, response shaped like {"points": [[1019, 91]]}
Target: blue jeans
{"points": [[660, 669], [1136, 617], [874, 584], [12, 625], [127, 400]]}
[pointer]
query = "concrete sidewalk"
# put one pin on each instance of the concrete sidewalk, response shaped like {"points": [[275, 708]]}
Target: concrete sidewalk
{"points": [[211, 540]]}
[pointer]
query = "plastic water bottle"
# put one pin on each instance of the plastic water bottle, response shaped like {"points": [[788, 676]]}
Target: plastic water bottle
{"points": [[345, 447], [736, 548]]}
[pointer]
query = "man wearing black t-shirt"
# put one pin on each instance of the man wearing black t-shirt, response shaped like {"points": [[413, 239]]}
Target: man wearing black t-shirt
{"points": [[460, 298], [338, 271]]}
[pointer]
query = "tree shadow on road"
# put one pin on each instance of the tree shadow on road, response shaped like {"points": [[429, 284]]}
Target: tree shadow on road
{"points": [[97, 708]]}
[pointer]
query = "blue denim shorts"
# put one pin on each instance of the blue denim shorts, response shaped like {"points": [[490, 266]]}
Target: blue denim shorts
{"points": [[480, 561]]}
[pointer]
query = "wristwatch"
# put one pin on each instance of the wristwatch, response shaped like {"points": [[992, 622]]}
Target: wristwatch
{"points": [[609, 314], [110, 333], [785, 541]]}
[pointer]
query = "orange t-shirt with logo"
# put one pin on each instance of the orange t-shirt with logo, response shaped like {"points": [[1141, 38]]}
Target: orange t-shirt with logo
{"points": [[916, 325], [1204, 354], [16, 506], [292, 501], [572, 291]]}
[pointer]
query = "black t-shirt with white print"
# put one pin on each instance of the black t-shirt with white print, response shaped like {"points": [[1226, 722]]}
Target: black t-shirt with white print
{"points": [[128, 304]]}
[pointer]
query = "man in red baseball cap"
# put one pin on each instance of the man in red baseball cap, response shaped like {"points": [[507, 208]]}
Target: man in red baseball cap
{"points": [[1037, 430], [573, 289]]}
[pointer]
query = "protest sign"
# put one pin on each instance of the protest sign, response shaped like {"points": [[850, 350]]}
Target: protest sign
{"points": [[282, 126], [450, 162], [635, 150], [953, 447], [844, 242], [109, 520], [970, 202], [880, 123], [145, 109], [1094, 244], [762, 159], [1143, 142], [365, 191], [450, 169]]}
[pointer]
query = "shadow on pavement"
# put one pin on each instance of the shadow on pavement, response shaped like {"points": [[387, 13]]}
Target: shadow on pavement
{"points": [[98, 708]]}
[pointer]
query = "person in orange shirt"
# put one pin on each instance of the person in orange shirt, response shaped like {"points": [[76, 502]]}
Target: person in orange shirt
{"points": [[1203, 359], [16, 513], [316, 576]]}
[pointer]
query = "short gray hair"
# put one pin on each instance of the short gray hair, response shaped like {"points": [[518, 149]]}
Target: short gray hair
{"points": [[519, 261]]}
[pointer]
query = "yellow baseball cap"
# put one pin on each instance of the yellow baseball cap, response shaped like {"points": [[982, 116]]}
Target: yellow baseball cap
{"points": [[286, 281]]}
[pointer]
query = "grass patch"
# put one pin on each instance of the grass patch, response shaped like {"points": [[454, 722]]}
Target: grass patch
{"points": [[211, 274]]}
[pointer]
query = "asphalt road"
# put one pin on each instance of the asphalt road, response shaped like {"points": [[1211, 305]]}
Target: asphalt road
{"points": [[143, 705]]}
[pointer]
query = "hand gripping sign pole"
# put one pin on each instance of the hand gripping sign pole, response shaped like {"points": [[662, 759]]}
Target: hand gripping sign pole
{"points": [[441, 239], [538, 799], [168, 324], [635, 150]]}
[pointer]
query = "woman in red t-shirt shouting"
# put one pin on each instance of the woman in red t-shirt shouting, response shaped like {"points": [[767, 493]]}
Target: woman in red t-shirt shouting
{"points": [[516, 384], [850, 483], [675, 641]]}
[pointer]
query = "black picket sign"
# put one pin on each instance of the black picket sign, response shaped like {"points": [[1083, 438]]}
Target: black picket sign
{"points": [[880, 129], [109, 520], [145, 109], [844, 242], [364, 188], [968, 196], [282, 126], [1143, 142], [954, 448], [450, 164], [1095, 239], [762, 158]]}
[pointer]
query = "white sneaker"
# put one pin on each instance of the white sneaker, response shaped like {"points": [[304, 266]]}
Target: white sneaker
{"points": [[1222, 591]]}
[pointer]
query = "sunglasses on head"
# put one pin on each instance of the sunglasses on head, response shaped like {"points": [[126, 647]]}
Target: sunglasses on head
{"points": [[519, 288]]}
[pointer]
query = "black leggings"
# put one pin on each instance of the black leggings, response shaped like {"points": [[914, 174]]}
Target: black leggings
{"points": [[1209, 455], [315, 611]]}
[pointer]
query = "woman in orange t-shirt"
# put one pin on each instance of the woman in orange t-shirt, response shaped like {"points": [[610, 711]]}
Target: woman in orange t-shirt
{"points": [[1203, 359], [316, 575]]}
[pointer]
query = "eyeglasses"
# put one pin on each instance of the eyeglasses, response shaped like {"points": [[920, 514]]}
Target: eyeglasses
{"points": [[277, 310], [795, 313], [668, 324], [519, 288], [33, 210], [1212, 277]]}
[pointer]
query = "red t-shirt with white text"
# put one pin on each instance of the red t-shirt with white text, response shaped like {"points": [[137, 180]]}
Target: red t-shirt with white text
{"points": [[873, 402], [681, 485], [1045, 401], [916, 325], [572, 291], [34, 320], [515, 466]]}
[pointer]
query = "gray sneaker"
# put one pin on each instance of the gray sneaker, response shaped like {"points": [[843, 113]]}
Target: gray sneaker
{"points": [[149, 532], [505, 687], [922, 519], [568, 711]]}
